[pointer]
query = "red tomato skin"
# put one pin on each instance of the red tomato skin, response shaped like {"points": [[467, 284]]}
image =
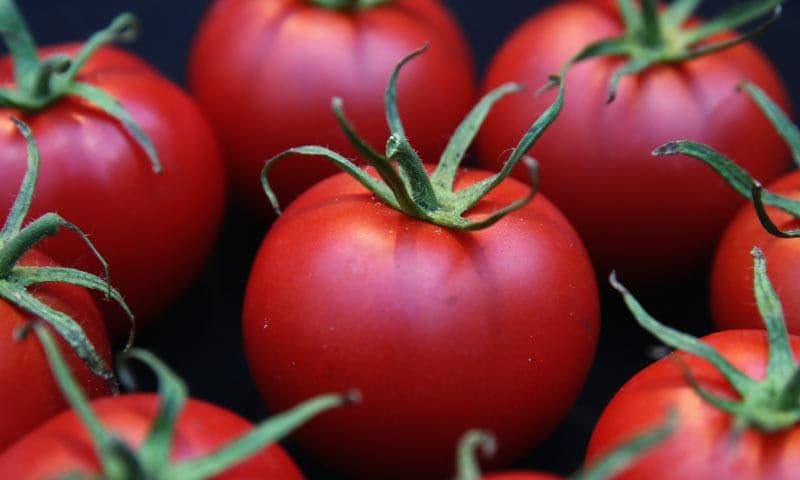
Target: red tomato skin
{"points": [[732, 301], [265, 71], [596, 162], [441, 331], [63, 445], [521, 476], [155, 231], [28, 393], [700, 447]]}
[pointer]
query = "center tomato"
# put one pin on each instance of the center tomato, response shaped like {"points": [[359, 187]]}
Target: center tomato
{"points": [[440, 330]]}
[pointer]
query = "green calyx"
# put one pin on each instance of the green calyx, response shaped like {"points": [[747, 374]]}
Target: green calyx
{"points": [[770, 405], [654, 36], [15, 280], [41, 82], [741, 181], [468, 468], [349, 4], [406, 184], [151, 461]]}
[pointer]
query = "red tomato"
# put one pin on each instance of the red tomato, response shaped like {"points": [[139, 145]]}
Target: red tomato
{"points": [[265, 71], [28, 393], [155, 230], [732, 279], [703, 445], [440, 330], [650, 218], [63, 445]]}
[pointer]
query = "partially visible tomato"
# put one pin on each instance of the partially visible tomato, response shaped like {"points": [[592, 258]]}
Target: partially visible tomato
{"points": [[655, 219], [155, 230], [732, 281], [28, 393], [705, 445], [441, 330], [265, 72], [63, 445]]}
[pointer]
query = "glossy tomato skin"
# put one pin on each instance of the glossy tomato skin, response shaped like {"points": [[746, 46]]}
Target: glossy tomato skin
{"points": [[265, 71], [732, 301], [441, 331], [595, 160], [63, 445], [28, 393], [155, 231], [701, 447]]}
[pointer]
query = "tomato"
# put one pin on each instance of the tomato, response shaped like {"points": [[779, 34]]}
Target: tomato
{"points": [[28, 393], [731, 281], [440, 330], [155, 230], [702, 446], [595, 161], [265, 72], [63, 445], [735, 394]]}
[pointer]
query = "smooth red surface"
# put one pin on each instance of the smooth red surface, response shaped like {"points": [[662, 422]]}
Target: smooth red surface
{"points": [[155, 230], [28, 393], [265, 71], [63, 445], [652, 219], [732, 301], [702, 446], [441, 331]]}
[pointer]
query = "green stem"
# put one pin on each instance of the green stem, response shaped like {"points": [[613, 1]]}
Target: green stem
{"points": [[10, 253], [19, 42], [349, 4], [652, 23], [467, 465]]}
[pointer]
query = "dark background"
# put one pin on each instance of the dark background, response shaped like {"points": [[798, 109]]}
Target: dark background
{"points": [[200, 338]]}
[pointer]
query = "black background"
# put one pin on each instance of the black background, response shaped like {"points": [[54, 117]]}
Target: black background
{"points": [[200, 337]]}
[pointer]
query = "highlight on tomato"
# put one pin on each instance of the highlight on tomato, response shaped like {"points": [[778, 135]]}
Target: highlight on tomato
{"points": [[450, 297], [126, 154], [772, 226], [34, 286], [265, 73], [736, 392], [162, 436], [671, 76], [609, 466]]}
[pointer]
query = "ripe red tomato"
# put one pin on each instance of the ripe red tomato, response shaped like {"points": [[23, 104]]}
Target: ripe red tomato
{"points": [[155, 230], [265, 72], [440, 330], [732, 281], [63, 445], [704, 444], [595, 161], [28, 393]]}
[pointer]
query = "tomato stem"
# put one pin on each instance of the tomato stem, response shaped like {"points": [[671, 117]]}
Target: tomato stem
{"points": [[654, 37], [120, 460], [408, 187], [771, 404], [16, 240], [40, 83]]}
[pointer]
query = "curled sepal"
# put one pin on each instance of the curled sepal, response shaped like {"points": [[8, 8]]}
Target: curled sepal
{"points": [[107, 446], [770, 405], [41, 83], [629, 452], [758, 194], [787, 130], [16, 239], [741, 181], [405, 184], [172, 391], [472, 442], [260, 437]]}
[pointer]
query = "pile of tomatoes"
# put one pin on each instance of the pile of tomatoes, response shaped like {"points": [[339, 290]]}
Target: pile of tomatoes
{"points": [[439, 253]]}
